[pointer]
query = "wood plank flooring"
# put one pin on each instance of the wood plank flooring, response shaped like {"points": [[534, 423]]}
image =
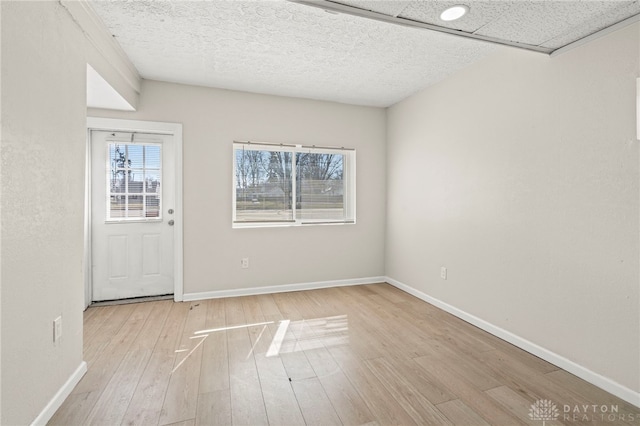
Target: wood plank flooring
{"points": [[357, 355]]}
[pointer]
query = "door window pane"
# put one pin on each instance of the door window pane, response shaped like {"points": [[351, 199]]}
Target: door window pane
{"points": [[117, 206], [136, 180], [134, 176], [152, 206], [135, 206], [135, 154]]}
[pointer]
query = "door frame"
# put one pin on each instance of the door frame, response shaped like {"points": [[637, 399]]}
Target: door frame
{"points": [[123, 125]]}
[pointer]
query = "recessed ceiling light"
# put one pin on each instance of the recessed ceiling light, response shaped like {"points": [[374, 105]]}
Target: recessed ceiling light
{"points": [[454, 12]]}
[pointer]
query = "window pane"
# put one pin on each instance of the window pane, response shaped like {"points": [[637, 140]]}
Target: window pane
{"points": [[118, 181], [320, 187], [263, 185], [152, 157], [135, 156], [152, 182], [153, 206], [118, 163], [135, 207], [117, 206], [135, 181], [117, 155]]}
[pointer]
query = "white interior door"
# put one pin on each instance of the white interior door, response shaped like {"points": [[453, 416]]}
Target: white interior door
{"points": [[132, 209]]}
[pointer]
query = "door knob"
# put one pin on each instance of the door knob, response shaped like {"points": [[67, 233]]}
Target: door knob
{"points": [[171, 222]]}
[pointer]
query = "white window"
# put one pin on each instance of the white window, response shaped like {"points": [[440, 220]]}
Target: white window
{"points": [[292, 185], [133, 181]]}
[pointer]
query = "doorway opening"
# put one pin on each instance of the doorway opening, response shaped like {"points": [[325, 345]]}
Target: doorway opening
{"points": [[133, 219]]}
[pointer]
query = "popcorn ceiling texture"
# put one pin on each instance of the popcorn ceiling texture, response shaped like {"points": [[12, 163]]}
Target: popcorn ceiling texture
{"points": [[541, 23], [282, 48]]}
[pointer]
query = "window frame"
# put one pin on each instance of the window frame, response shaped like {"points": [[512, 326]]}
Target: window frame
{"points": [[349, 184]]}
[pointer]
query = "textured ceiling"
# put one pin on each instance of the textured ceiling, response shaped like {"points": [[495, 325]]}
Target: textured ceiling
{"points": [[544, 23], [283, 48]]}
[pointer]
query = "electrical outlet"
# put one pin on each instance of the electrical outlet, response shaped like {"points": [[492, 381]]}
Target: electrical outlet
{"points": [[57, 329], [443, 272], [244, 262]]}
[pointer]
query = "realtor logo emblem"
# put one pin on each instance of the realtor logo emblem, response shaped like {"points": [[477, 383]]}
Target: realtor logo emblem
{"points": [[544, 410]]}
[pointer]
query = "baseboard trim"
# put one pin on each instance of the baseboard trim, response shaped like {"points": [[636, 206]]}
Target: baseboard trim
{"points": [[62, 394], [584, 373], [280, 288]]}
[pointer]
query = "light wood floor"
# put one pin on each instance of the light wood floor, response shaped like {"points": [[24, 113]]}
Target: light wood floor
{"points": [[351, 355]]}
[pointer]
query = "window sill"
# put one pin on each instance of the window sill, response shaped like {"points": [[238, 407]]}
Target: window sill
{"points": [[244, 225]]}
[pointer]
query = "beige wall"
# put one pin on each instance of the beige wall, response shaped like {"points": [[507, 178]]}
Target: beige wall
{"points": [[520, 175], [43, 146], [212, 119]]}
